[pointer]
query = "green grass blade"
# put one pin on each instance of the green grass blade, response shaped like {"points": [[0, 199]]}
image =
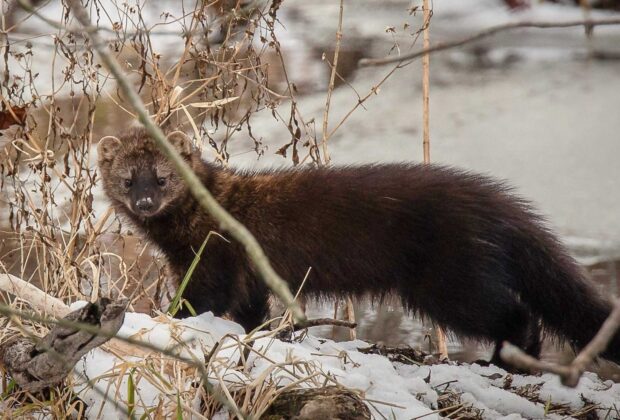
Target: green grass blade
{"points": [[176, 302], [190, 308], [131, 395], [179, 409]]}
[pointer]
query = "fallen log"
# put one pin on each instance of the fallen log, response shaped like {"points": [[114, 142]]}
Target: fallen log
{"points": [[36, 298], [41, 302], [36, 364]]}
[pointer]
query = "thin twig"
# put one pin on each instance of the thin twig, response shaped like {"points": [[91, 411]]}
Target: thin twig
{"points": [[330, 88], [569, 374], [426, 64], [365, 62], [349, 315], [202, 195], [326, 157], [325, 321], [442, 347]]}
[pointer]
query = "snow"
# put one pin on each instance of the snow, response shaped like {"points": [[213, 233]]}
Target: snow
{"points": [[390, 389], [481, 391]]}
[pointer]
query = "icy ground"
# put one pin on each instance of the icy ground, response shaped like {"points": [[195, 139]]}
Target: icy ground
{"points": [[393, 390]]}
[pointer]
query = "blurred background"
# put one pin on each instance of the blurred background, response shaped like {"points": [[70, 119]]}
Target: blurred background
{"points": [[539, 108]]}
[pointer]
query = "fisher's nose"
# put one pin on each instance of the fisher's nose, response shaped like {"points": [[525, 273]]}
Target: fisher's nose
{"points": [[145, 204]]}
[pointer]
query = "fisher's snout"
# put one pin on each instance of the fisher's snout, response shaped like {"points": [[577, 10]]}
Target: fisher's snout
{"points": [[145, 197], [145, 204]]}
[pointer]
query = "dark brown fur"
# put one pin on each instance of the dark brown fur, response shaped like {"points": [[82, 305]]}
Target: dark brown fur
{"points": [[457, 247]]}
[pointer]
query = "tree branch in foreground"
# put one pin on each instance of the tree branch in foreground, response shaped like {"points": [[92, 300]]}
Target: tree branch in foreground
{"points": [[227, 222], [569, 374], [587, 23]]}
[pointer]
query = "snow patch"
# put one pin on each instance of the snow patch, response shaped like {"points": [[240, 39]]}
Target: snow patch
{"points": [[393, 390]]}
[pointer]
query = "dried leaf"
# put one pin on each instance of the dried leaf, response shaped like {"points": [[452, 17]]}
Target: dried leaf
{"points": [[7, 119], [282, 150], [174, 96]]}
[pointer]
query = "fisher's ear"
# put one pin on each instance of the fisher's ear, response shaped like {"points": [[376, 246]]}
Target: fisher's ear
{"points": [[107, 148], [181, 142]]}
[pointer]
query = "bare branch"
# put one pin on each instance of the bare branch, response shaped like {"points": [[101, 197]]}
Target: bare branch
{"points": [[330, 88], [325, 321], [600, 341], [426, 133], [349, 315], [426, 83], [569, 374], [588, 23]]}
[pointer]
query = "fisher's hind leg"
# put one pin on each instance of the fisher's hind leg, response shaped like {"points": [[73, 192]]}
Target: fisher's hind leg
{"points": [[483, 310]]}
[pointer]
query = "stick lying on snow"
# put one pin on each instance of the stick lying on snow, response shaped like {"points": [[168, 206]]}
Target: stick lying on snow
{"points": [[36, 298], [38, 364], [41, 302]]}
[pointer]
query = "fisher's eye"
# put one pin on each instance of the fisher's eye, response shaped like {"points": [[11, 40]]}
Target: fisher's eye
{"points": [[127, 183], [161, 181]]}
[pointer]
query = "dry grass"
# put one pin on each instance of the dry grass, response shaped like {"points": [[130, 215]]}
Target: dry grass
{"points": [[177, 381]]}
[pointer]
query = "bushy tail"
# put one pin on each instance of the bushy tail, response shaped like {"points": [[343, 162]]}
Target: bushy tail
{"points": [[554, 288]]}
